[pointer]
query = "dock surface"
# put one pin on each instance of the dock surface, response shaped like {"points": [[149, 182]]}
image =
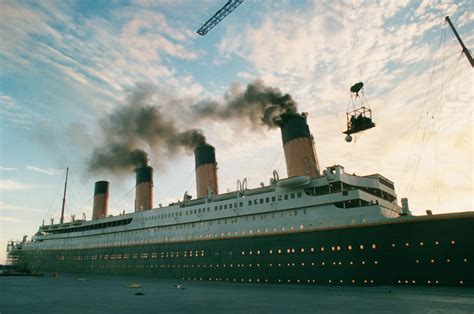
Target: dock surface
{"points": [[71, 293]]}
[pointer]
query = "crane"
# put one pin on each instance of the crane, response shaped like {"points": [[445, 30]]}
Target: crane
{"points": [[230, 6]]}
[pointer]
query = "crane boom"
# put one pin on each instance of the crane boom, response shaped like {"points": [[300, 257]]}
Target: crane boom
{"points": [[464, 48], [230, 6]]}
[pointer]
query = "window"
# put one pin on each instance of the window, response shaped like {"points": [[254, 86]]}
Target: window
{"points": [[285, 197], [250, 203], [273, 198], [292, 195], [267, 200], [261, 201], [298, 194]]}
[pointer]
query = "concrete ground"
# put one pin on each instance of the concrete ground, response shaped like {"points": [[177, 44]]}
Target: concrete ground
{"points": [[104, 294]]}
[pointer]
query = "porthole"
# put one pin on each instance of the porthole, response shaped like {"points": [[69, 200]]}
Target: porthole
{"points": [[453, 242], [361, 246], [349, 247], [302, 250]]}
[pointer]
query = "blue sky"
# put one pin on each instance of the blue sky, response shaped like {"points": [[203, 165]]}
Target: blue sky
{"points": [[64, 65]]}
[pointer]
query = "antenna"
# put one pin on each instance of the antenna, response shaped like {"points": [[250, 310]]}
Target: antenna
{"points": [[230, 6], [64, 198], [464, 49]]}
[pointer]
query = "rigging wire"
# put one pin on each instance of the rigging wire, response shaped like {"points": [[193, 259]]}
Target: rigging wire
{"points": [[356, 36], [414, 173], [345, 40], [49, 212]]}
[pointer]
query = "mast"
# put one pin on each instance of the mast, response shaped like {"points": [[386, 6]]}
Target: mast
{"points": [[464, 49], [64, 197]]}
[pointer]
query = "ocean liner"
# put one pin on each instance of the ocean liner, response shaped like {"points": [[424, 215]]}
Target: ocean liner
{"points": [[317, 226]]}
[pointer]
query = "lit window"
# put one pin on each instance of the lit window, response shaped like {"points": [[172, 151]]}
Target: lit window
{"points": [[453, 242], [361, 246], [349, 247], [437, 242], [302, 250], [421, 243], [374, 246], [407, 244]]}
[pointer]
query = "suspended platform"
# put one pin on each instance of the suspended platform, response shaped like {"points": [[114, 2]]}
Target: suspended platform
{"points": [[359, 120]]}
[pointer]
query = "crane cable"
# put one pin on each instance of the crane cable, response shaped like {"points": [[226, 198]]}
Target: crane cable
{"points": [[414, 173]]}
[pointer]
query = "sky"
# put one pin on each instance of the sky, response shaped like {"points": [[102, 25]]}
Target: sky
{"points": [[66, 67]]}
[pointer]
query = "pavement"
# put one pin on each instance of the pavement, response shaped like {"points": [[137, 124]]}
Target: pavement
{"points": [[108, 294]]}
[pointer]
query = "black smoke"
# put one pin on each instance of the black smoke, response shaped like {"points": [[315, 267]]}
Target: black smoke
{"points": [[258, 104], [139, 126]]}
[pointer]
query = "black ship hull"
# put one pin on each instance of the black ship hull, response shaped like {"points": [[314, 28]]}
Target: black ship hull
{"points": [[430, 250]]}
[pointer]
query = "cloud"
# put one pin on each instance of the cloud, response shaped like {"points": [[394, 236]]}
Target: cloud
{"points": [[11, 185], [11, 207], [7, 169], [15, 114], [48, 171], [9, 219]]}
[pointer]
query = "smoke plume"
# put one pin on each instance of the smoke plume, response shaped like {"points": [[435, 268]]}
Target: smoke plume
{"points": [[138, 126], [258, 104]]}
